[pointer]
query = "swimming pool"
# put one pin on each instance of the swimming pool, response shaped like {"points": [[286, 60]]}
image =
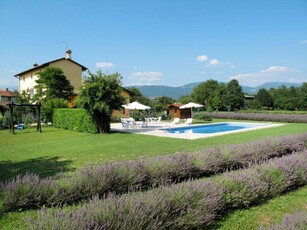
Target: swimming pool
{"points": [[214, 128]]}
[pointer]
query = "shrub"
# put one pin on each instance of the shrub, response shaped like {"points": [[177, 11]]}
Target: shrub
{"points": [[189, 205], [122, 177], [5, 120], [294, 118], [294, 221], [202, 116], [48, 107], [25, 196], [74, 119], [1, 123]]}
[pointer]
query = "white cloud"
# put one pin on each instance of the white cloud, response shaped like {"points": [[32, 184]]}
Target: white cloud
{"points": [[296, 80], [273, 73], [275, 69], [105, 65], [213, 62], [146, 76], [303, 42], [202, 58], [242, 76]]}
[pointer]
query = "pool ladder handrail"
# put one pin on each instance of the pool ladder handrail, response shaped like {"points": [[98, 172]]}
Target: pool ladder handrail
{"points": [[168, 126]]}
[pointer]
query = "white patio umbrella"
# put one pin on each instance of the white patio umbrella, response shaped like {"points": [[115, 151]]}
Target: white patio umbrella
{"points": [[136, 105], [190, 105]]}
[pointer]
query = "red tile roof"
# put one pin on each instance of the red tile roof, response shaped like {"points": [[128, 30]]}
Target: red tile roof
{"points": [[6, 93], [47, 64], [176, 105]]}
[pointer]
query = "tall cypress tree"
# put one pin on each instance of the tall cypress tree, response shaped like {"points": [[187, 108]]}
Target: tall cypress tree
{"points": [[235, 96], [265, 98]]}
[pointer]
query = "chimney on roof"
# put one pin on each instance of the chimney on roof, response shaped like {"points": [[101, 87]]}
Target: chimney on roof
{"points": [[68, 54], [35, 64], [7, 89]]}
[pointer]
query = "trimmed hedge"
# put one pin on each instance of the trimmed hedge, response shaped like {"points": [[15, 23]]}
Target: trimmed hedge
{"points": [[25, 192], [74, 119], [202, 116], [189, 205], [292, 118]]}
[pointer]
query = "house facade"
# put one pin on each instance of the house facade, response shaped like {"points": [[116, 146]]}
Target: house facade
{"points": [[126, 94], [6, 97], [72, 70]]}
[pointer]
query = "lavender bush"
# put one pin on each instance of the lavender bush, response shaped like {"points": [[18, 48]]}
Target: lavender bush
{"points": [[261, 182], [293, 118], [189, 205], [296, 221], [122, 177]]}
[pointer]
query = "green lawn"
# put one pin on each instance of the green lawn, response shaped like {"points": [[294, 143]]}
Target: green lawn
{"points": [[57, 150], [268, 213]]}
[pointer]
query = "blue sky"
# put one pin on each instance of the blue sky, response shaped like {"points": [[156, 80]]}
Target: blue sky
{"points": [[159, 42]]}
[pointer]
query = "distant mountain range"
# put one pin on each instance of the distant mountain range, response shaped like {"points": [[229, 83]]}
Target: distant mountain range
{"points": [[153, 91]]}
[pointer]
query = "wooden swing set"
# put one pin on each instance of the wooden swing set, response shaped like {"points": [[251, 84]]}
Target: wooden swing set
{"points": [[38, 108]]}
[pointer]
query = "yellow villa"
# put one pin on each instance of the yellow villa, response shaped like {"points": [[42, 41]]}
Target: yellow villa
{"points": [[72, 70]]}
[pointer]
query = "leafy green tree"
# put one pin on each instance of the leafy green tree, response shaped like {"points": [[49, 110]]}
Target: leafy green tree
{"points": [[24, 97], [161, 103], [293, 98], [49, 105], [265, 98], [303, 96], [3, 109], [100, 96], [281, 97], [138, 96], [235, 95], [219, 100], [252, 104], [274, 93], [52, 83], [23, 113], [204, 92], [185, 99], [5, 120]]}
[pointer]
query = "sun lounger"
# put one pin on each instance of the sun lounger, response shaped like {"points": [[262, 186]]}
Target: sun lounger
{"points": [[176, 121], [158, 121], [188, 121]]}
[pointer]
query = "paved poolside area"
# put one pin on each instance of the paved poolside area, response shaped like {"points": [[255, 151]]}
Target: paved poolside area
{"points": [[156, 130]]}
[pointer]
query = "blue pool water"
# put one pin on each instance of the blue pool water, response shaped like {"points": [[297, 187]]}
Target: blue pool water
{"points": [[213, 128]]}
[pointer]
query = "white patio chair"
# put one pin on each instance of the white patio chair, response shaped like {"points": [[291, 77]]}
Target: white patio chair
{"points": [[125, 124], [132, 123], [145, 122]]}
